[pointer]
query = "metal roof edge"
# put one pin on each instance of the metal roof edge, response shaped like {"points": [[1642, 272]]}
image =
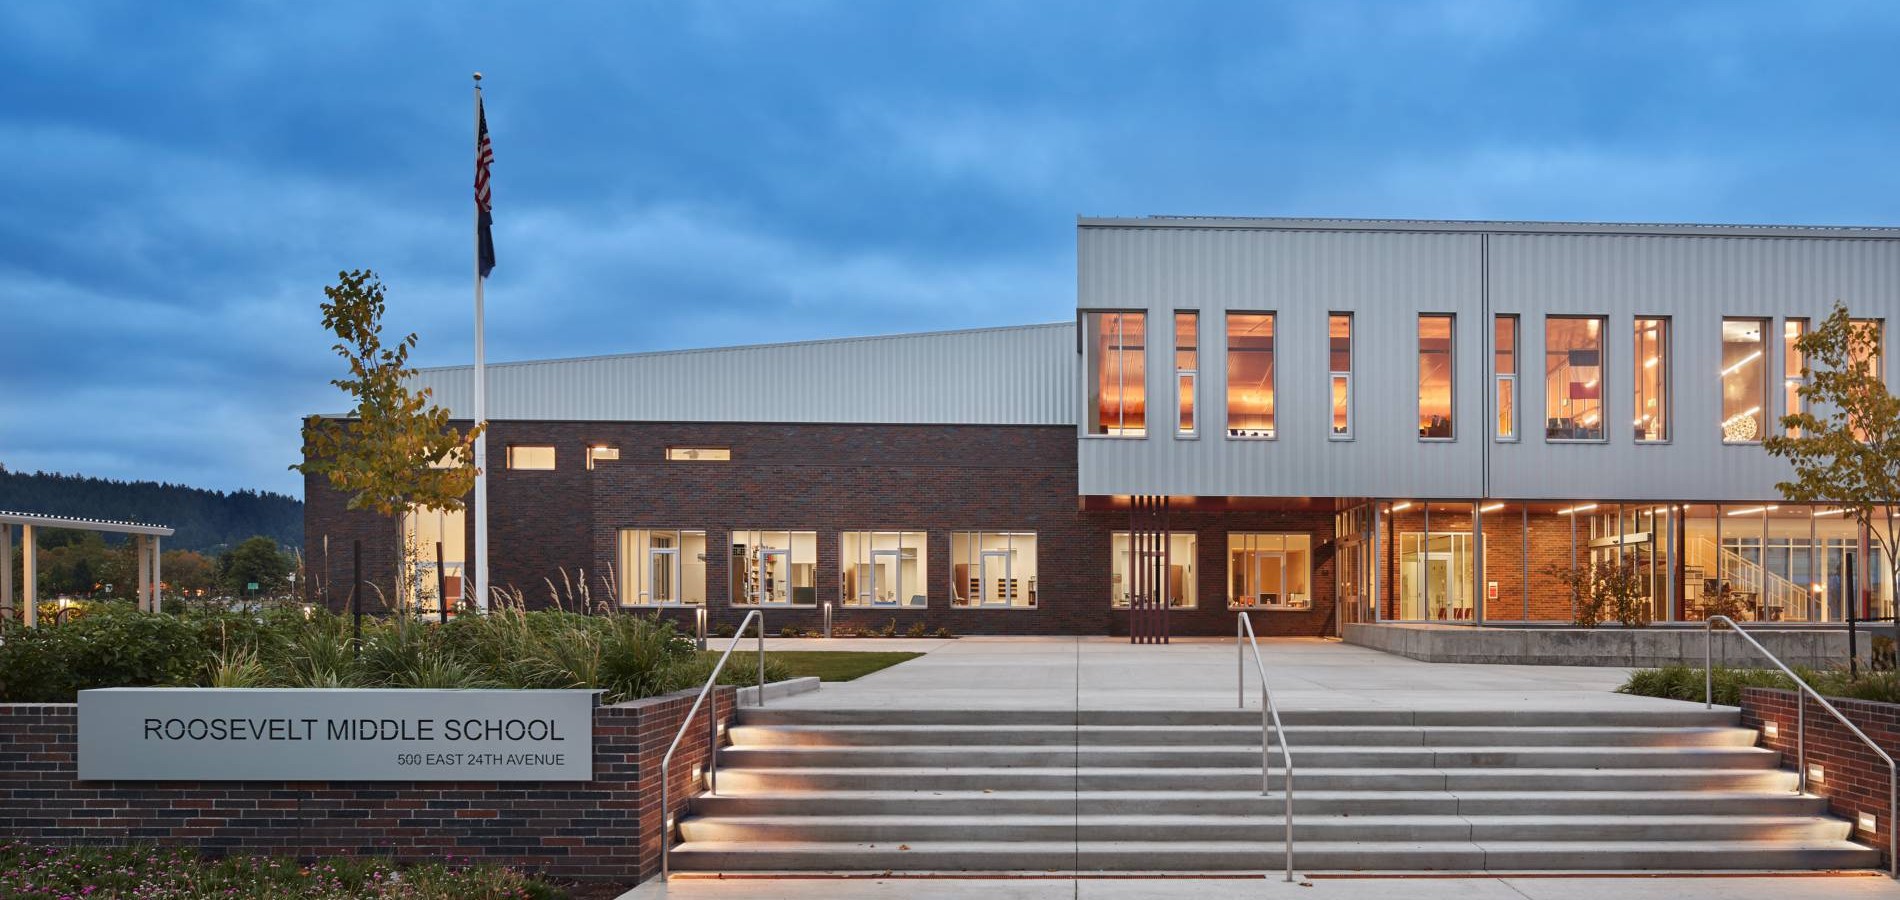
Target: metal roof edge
{"points": [[737, 347], [1462, 226]]}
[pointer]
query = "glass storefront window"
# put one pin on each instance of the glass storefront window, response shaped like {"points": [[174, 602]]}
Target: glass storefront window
{"points": [[883, 568], [993, 569], [1250, 375], [1177, 561], [1114, 345], [1573, 378], [662, 567], [774, 568], [1435, 576], [422, 530], [1435, 378], [1269, 571], [1744, 381]]}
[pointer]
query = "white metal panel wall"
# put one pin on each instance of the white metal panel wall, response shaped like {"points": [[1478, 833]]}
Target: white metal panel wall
{"points": [[1385, 278], [1695, 281], [998, 376]]}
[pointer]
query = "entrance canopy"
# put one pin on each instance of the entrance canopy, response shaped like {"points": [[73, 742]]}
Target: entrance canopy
{"points": [[145, 538]]}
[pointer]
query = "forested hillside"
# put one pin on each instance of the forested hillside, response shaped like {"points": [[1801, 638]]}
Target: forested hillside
{"points": [[207, 521]]}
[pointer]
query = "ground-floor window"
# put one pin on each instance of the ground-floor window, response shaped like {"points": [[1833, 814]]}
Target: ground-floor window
{"points": [[1435, 575], [660, 567], [774, 568], [883, 568], [422, 530], [993, 569], [1175, 557], [1269, 571]]}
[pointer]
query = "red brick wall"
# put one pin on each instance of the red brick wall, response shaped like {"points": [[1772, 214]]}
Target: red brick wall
{"points": [[829, 479], [1856, 780], [605, 829]]}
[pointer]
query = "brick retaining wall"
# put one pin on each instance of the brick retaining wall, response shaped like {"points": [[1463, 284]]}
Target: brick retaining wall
{"points": [[1855, 780], [607, 829]]}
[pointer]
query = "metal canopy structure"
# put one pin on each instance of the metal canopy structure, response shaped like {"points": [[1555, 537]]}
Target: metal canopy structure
{"points": [[145, 539]]}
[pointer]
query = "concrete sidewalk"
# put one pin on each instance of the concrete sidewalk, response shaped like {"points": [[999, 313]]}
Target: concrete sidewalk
{"points": [[1714, 887], [1199, 673]]}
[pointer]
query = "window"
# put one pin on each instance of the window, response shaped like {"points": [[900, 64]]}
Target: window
{"points": [[1434, 377], [774, 568], [661, 567], [601, 453], [422, 529], [1250, 375], [993, 569], [1176, 558], [696, 454], [530, 456], [1339, 354], [1573, 378], [883, 568], [1504, 375], [1268, 571], [1871, 353], [1793, 369], [1115, 343], [1651, 377], [1744, 381], [1187, 368]]}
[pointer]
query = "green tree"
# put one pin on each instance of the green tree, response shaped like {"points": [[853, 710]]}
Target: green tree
{"points": [[187, 572], [259, 561], [1845, 446], [397, 450]]}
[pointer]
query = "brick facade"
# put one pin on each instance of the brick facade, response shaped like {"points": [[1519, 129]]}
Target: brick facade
{"points": [[829, 479], [1854, 780], [604, 829]]}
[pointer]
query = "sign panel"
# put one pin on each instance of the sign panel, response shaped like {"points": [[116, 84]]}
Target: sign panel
{"points": [[313, 734]]}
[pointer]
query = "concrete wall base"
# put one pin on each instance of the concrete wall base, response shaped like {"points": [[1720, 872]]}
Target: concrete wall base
{"points": [[1819, 648]]}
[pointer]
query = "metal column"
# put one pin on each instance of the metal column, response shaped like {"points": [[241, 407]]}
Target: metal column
{"points": [[30, 578], [6, 570], [1477, 563]]}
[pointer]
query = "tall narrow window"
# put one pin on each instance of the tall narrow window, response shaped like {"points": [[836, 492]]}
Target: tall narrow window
{"points": [[1114, 344], [1504, 366], [1250, 375], [1793, 369], [1744, 381], [1434, 377], [1187, 369], [1652, 380], [1339, 354], [1869, 352], [1573, 378]]}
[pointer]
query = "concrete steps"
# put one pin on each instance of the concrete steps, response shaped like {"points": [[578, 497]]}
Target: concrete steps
{"points": [[1179, 791]]}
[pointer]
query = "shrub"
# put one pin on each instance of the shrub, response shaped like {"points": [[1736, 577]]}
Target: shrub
{"points": [[114, 646], [889, 630], [945, 632], [918, 630], [791, 631]]}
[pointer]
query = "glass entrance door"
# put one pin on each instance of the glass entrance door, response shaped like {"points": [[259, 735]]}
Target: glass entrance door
{"points": [[1435, 576], [994, 579], [663, 565]]}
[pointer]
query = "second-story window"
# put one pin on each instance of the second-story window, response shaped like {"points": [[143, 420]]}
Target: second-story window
{"points": [[1793, 366], [1113, 345], [1187, 369], [1250, 375], [1573, 378], [1504, 374], [1434, 377], [1744, 381], [1651, 375], [1339, 356]]}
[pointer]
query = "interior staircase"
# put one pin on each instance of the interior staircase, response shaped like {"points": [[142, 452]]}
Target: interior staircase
{"points": [[1674, 790]]}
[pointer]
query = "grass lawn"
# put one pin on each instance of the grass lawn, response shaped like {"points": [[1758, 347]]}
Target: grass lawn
{"points": [[828, 665]]}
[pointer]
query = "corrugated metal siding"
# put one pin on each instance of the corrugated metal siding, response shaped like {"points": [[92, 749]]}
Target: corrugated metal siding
{"points": [[995, 376], [1385, 279], [1696, 281]]}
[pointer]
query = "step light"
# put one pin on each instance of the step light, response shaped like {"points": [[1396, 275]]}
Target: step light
{"points": [[1770, 730], [1816, 774], [698, 771], [1869, 823]]}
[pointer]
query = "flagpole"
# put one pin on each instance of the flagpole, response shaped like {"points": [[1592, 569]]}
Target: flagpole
{"points": [[481, 397]]}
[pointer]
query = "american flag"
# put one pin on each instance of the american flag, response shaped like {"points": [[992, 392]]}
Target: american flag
{"points": [[484, 157]]}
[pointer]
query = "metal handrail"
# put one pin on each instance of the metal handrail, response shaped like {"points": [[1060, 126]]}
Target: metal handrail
{"points": [[712, 730], [1800, 729], [1269, 716]]}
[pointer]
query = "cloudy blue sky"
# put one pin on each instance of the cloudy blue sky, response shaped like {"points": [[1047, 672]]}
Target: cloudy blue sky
{"points": [[179, 180]]}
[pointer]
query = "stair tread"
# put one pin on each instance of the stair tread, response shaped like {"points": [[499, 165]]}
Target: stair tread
{"points": [[1269, 818], [845, 794], [1725, 846]]}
